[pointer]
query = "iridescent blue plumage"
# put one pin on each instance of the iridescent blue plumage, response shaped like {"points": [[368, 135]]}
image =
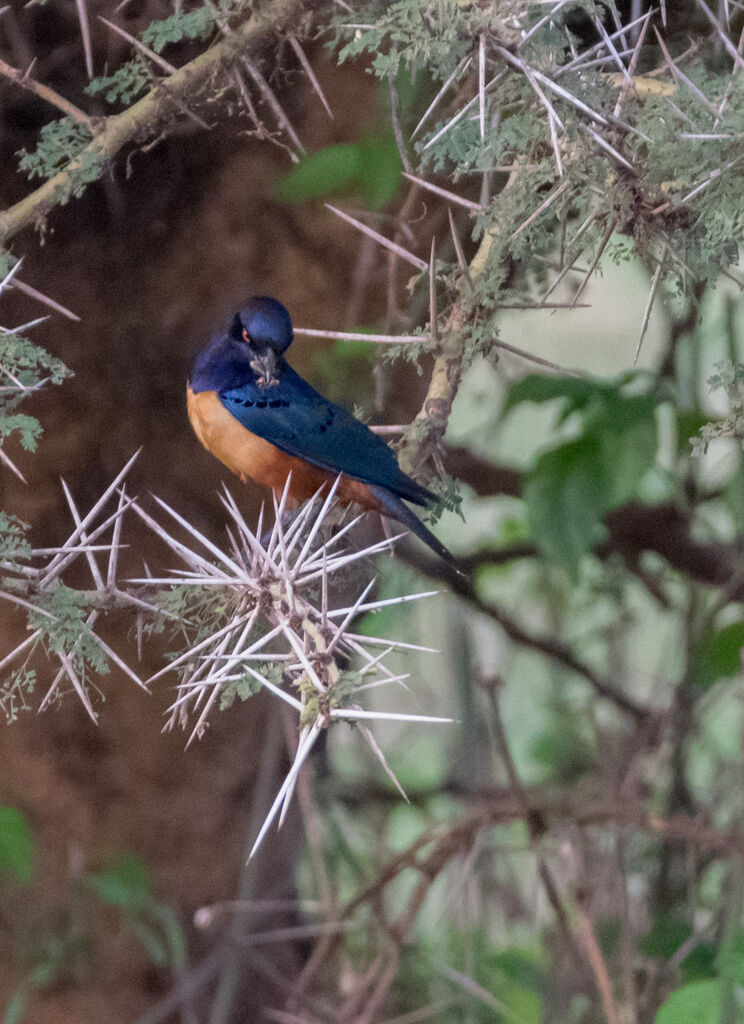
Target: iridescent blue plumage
{"points": [[246, 371]]}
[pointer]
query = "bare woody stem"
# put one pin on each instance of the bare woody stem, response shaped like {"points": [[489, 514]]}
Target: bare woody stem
{"points": [[431, 420], [144, 117]]}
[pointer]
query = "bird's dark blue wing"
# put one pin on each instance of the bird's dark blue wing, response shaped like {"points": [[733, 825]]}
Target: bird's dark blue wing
{"points": [[300, 422]]}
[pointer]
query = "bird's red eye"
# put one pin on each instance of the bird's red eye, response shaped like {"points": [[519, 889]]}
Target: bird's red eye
{"points": [[246, 339]]}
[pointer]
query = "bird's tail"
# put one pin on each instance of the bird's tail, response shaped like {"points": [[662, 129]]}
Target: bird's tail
{"points": [[394, 507]]}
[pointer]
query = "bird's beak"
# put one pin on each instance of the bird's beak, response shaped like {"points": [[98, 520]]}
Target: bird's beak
{"points": [[268, 362]]}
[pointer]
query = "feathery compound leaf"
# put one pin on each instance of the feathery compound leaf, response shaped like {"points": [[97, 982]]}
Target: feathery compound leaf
{"points": [[27, 427], [13, 543], [59, 143], [196, 24], [61, 619], [125, 84]]}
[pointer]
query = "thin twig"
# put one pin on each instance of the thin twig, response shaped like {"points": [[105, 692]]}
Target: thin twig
{"points": [[416, 261], [273, 102], [533, 820], [461, 261], [85, 35], [649, 304], [633, 64], [679, 74], [400, 142], [729, 46], [532, 358], [541, 208], [392, 339], [481, 85], [433, 293], [45, 93], [34, 293], [595, 956], [444, 193], [461, 67], [597, 256], [150, 54], [308, 68]]}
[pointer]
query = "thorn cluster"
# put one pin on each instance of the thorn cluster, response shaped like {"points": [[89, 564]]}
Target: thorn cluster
{"points": [[281, 621], [34, 579], [271, 626]]}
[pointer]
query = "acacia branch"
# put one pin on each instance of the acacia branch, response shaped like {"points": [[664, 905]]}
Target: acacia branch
{"points": [[551, 647], [431, 420], [430, 853], [145, 117]]}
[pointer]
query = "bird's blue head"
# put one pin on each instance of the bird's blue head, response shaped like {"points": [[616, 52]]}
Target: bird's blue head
{"points": [[263, 324], [258, 335]]}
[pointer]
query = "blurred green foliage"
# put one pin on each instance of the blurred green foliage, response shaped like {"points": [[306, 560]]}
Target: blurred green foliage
{"points": [[718, 655], [56, 949], [16, 845], [574, 484], [700, 1001], [368, 169], [125, 885]]}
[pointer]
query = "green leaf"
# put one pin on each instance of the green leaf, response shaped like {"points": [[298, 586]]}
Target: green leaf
{"points": [[718, 655], [125, 884], [571, 487], [539, 388], [564, 749], [370, 168], [16, 844], [731, 959], [325, 173], [627, 436], [380, 171], [195, 24], [245, 687], [667, 934], [698, 1002], [566, 495], [665, 937]]}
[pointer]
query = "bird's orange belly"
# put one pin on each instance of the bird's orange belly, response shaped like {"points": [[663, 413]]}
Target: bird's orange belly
{"points": [[251, 457]]}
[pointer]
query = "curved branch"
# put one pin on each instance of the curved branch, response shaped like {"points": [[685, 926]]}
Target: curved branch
{"points": [[485, 477], [144, 117], [552, 648]]}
